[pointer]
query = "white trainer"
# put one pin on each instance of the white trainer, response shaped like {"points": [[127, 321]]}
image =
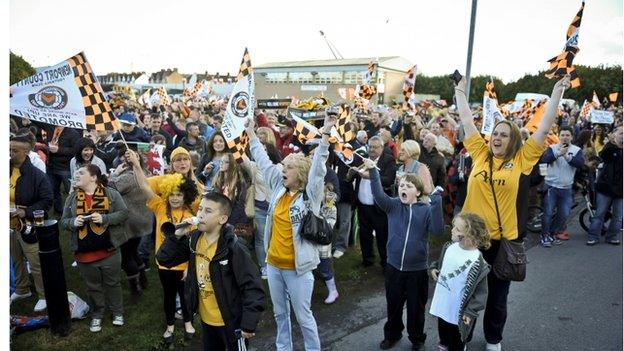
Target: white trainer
{"points": [[118, 321], [96, 325], [493, 347], [338, 254], [40, 306], [15, 296]]}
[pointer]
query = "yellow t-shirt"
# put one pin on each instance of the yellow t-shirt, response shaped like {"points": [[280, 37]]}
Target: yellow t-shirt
{"points": [[281, 252], [15, 174], [158, 205], [208, 307], [511, 183]]}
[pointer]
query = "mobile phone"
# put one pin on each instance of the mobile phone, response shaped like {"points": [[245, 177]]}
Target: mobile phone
{"points": [[456, 77], [86, 218]]}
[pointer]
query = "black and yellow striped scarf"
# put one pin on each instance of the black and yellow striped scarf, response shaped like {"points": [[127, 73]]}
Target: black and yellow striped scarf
{"points": [[99, 204]]}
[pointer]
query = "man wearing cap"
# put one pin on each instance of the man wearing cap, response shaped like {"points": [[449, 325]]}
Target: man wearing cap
{"points": [[130, 131], [29, 190]]}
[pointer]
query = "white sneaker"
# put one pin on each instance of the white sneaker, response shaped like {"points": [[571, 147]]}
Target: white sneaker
{"points": [[96, 325], [338, 254], [493, 347], [74, 264], [263, 273], [40, 306], [118, 321], [15, 296]]}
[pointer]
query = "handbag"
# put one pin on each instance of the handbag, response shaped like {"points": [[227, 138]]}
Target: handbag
{"points": [[510, 262], [315, 228]]}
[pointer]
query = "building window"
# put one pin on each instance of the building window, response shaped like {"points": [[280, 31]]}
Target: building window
{"points": [[274, 78], [353, 77], [300, 77], [329, 78]]}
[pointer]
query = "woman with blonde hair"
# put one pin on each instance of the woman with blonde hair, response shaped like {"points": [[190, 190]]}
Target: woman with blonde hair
{"points": [[409, 154], [294, 190]]}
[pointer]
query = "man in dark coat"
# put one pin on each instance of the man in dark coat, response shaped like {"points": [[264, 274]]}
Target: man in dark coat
{"points": [[433, 159]]}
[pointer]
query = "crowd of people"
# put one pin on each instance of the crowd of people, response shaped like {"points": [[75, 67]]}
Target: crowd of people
{"points": [[416, 171]]}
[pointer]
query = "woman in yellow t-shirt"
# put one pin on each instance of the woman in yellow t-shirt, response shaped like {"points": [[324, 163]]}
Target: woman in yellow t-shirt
{"points": [[505, 165], [173, 205]]}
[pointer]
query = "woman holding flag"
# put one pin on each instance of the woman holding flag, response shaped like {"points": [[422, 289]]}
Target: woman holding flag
{"points": [[499, 177]]}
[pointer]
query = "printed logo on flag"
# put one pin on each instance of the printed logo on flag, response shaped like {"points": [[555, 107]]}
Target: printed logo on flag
{"points": [[49, 97], [240, 104]]}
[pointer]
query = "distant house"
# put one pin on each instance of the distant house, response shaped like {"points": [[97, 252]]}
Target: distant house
{"points": [[167, 76], [122, 78]]}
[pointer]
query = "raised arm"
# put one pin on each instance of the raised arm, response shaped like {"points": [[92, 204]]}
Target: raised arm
{"points": [[138, 173], [465, 116], [551, 110]]}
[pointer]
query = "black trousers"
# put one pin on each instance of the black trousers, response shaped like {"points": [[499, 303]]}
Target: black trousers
{"points": [[56, 179], [410, 287], [215, 339], [495, 314], [449, 336], [172, 283], [371, 218], [130, 261]]}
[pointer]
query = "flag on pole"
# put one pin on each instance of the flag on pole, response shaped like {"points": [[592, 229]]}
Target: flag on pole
{"points": [[160, 97], [587, 107], [536, 117], [144, 99], [561, 64], [67, 94], [368, 88], [491, 111], [343, 123], [239, 109], [596, 101], [408, 87], [304, 132]]}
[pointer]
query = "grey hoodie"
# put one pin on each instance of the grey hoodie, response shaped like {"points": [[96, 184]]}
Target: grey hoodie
{"points": [[306, 253]]}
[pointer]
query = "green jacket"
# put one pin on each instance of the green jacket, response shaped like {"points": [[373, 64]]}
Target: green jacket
{"points": [[114, 219], [475, 294]]}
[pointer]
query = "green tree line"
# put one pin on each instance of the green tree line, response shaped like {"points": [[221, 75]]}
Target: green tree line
{"points": [[18, 68], [602, 79]]}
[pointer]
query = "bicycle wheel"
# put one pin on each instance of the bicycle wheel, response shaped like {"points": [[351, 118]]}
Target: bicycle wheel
{"points": [[534, 222], [584, 219]]}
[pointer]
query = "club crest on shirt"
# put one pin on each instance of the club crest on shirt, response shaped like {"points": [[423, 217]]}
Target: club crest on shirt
{"points": [[508, 165]]}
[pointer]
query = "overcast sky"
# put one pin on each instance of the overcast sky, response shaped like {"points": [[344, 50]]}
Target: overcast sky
{"points": [[511, 38]]}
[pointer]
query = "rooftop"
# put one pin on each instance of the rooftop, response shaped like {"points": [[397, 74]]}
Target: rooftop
{"points": [[389, 62]]}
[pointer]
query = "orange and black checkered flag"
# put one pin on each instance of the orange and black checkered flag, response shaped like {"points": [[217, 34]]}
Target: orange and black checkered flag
{"points": [[367, 89], [408, 86], [561, 64], [98, 113], [343, 123], [304, 131]]}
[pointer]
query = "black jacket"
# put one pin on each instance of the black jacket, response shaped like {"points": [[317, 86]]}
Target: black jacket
{"points": [[33, 189], [236, 282], [609, 181], [387, 172], [435, 162], [137, 135], [106, 150], [59, 161]]}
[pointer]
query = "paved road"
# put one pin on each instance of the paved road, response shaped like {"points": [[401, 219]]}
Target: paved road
{"points": [[571, 300]]}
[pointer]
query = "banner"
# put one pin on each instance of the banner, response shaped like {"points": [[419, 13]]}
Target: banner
{"points": [[67, 94], [271, 104], [306, 114], [491, 111], [600, 116], [239, 108], [154, 159]]}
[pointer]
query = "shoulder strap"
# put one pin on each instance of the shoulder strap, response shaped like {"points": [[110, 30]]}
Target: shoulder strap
{"points": [[500, 226]]}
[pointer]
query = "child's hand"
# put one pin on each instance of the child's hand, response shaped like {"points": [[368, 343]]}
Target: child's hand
{"points": [[466, 320], [434, 274]]}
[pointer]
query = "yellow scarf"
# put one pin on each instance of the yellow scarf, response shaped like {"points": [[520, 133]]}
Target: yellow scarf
{"points": [[99, 204]]}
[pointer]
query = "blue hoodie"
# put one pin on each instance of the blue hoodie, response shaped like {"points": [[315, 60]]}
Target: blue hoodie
{"points": [[408, 227]]}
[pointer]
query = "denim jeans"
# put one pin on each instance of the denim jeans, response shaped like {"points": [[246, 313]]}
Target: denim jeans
{"points": [[603, 202], [560, 199], [260, 219], [325, 269], [341, 240], [287, 288]]}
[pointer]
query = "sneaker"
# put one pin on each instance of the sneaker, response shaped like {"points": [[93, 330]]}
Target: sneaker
{"points": [[15, 296], [613, 242], [118, 321], [74, 264], [331, 298], [562, 236], [96, 325], [263, 273], [554, 240], [545, 241], [40, 306], [493, 347], [338, 254], [591, 242]]}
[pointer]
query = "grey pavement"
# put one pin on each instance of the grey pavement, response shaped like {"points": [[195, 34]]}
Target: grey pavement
{"points": [[571, 300]]}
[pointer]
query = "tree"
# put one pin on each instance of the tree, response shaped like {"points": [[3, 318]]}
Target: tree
{"points": [[19, 68]]}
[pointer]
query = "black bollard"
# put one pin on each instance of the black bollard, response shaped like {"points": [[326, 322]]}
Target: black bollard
{"points": [[53, 277]]}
